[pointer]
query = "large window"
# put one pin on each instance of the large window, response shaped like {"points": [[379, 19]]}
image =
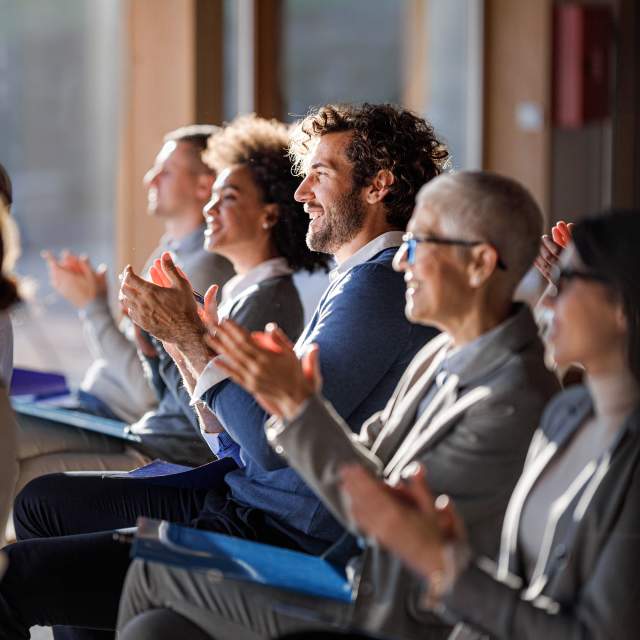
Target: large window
{"points": [[59, 97], [425, 54]]}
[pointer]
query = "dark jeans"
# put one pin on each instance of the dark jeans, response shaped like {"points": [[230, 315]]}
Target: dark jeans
{"points": [[67, 569]]}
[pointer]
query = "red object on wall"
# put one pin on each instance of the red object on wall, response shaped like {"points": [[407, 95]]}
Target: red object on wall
{"points": [[582, 57]]}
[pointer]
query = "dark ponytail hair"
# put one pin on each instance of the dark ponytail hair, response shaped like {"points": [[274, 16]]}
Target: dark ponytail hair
{"points": [[608, 245]]}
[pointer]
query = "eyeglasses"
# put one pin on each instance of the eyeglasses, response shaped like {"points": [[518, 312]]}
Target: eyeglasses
{"points": [[561, 276], [412, 241]]}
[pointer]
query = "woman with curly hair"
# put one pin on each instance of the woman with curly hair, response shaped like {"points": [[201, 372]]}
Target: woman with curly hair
{"points": [[254, 222]]}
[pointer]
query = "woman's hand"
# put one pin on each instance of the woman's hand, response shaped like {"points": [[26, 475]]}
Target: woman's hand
{"points": [[266, 365], [551, 249], [404, 518]]}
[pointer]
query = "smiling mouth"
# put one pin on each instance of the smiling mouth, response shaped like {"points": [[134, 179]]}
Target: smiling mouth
{"points": [[412, 286], [313, 211]]}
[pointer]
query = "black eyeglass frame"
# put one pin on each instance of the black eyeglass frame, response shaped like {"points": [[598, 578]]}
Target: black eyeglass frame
{"points": [[411, 241]]}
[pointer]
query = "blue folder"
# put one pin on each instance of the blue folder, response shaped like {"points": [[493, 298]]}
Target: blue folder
{"points": [[237, 559], [42, 409]]}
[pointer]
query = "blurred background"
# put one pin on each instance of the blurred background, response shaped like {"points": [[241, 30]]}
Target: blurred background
{"points": [[544, 91]]}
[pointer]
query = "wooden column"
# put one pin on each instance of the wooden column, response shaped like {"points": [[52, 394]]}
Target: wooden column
{"points": [[171, 77], [518, 38], [267, 48]]}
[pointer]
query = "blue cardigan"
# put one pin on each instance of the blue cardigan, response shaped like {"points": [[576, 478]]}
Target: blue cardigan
{"points": [[365, 343]]}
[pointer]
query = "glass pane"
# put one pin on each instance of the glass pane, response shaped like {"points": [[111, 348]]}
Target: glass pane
{"points": [[59, 98], [453, 68], [337, 51]]}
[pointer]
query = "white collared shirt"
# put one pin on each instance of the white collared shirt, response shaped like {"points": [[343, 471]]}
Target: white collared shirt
{"points": [[373, 247], [236, 287]]}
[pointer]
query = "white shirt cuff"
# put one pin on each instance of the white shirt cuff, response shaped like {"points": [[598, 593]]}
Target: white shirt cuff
{"points": [[210, 377]]}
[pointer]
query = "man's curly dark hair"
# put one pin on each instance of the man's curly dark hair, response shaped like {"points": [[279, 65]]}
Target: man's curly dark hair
{"points": [[385, 137], [262, 146]]}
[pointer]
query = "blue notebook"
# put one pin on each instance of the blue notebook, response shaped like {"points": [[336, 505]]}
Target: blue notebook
{"points": [[37, 384], [237, 559]]}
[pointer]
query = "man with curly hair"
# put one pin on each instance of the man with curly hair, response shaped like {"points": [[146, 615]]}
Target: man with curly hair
{"points": [[362, 167]]}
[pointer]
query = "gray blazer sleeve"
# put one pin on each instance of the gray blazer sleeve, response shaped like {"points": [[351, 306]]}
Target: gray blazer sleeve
{"points": [[606, 608], [317, 444], [601, 603], [108, 342]]}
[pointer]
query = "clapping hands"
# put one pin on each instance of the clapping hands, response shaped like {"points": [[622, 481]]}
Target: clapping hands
{"points": [[266, 365], [165, 307], [405, 518], [75, 279]]}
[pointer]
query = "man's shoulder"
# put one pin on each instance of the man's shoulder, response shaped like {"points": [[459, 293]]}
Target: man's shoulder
{"points": [[378, 267]]}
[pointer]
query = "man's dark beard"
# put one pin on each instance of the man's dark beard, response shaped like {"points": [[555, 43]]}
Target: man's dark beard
{"points": [[342, 222]]}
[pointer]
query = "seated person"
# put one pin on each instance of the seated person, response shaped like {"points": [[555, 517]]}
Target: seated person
{"points": [[254, 222], [466, 407], [178, 186], [363, 167], [8, 297], [567, 561]]}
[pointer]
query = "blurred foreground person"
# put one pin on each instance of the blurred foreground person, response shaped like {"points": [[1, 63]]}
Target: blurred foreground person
{"points": [[8, 297], [466, 407], [569, 552]]}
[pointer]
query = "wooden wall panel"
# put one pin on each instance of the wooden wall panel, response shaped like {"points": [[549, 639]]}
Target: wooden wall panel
{"points": [[518, 72], [172, 76]]}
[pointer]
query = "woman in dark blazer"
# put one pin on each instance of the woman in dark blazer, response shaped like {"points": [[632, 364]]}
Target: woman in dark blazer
{"points": [[570, 550]]}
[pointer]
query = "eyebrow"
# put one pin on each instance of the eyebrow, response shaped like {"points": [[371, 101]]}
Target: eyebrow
{"points": [[227, 186], [328, 164]]}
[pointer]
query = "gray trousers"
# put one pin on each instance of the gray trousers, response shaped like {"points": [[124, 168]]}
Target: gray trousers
{"points": [[221, 608]]}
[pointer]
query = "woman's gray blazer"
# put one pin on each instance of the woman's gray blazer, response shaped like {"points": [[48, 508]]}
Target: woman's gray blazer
{"points": [[588, 585]]}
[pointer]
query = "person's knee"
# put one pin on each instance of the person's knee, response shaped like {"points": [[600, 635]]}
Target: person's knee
{"points": [[28, 517], [159, 624]]}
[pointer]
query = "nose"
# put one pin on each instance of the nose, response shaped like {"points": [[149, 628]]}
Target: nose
{"points": [[211, 207], [304, 193], [400, 259], [549, 298], [150, 177]]}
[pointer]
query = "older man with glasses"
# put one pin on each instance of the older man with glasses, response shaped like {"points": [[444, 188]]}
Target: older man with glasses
{"points": [[466, 409]]}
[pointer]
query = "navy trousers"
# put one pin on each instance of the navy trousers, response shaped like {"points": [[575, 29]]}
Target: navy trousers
{"points": [[66, 568]]}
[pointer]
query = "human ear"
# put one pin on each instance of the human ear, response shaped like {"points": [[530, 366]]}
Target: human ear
{"points": [[620, 318], [379, 186], [482, 265], [204, 183], [271, 215]]}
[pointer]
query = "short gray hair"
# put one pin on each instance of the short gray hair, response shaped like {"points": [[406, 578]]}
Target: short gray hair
{"points": [[479, 205]]}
